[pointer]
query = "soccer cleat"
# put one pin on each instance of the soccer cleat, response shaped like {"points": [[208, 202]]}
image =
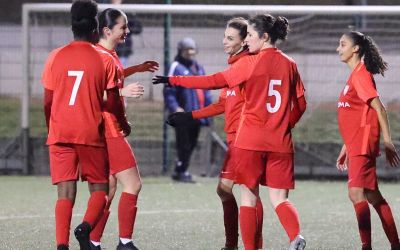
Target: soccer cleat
{"points": [[82, 232], [299, 243], [229, 248], [93, 247], [62, 247], [127, 246]]}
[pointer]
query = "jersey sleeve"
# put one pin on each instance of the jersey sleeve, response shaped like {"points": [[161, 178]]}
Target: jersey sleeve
{"points": [[240, 71], [47, 76], [215, 81], [364, 86], [111, 73], [212, 109]]}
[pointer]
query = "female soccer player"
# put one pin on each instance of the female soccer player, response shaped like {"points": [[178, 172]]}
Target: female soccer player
{"points": [[230, 102], [113, 30], [361, 116], [74, 81], [263, 145]]}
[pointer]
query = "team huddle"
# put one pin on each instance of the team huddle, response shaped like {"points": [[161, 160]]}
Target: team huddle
{"points": [[262, 97]]}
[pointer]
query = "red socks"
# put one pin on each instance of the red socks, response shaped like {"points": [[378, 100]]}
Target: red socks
{"points": [[97, 232], [96, 204], [127, 214], [63, 213], [364, 223], [248, 227], [289, 219], [260, 219], [231, 222], [389, 226]]}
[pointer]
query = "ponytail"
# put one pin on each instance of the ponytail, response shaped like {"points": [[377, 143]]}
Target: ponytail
{"points": [[369, 51]]}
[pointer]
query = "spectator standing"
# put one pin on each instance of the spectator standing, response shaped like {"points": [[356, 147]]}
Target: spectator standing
{"points": [[180, 99]]}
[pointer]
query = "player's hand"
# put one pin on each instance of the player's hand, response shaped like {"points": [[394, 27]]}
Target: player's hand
{"points": [[180, 119], [134, 90], [342, 160], [148, 66], [161, 80], [126, 128], [392, 156]]}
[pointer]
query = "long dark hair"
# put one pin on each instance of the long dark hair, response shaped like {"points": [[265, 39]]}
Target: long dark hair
{"points": [[83, 19], [108, 18], [276, 27], [369, 50]]}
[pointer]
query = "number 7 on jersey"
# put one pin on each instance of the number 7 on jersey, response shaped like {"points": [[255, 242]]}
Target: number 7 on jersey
{"points": [[78, 74]]}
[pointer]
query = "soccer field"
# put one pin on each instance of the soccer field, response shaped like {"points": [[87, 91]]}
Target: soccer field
{"points": [[186, 216]]}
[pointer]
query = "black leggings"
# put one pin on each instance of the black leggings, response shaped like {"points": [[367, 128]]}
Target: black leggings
{"points": [[186, 141]]}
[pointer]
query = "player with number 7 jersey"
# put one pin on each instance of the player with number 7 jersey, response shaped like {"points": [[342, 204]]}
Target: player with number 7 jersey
{"points": [[78, 87]]}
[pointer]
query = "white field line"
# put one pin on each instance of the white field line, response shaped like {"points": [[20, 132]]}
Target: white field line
{"points": [[175, 211]]}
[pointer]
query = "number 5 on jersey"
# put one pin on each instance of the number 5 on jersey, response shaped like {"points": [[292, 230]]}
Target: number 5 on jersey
{"points": [[273, 92], [77, 83]]}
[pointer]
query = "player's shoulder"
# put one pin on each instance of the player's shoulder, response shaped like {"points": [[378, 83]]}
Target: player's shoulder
{"points": [[55, 52], [362, 72], [104, 54], [287, 58]]}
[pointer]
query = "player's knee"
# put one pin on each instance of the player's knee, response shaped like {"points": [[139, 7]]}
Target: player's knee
{"points": [[356, 196], [137, 186], [224, 193], [133, 188]]}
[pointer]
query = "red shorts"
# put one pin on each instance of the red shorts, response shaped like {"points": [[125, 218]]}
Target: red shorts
{"points": [[69, 161], [228, 169], [272, 169], [120, 155], [362, 172]]}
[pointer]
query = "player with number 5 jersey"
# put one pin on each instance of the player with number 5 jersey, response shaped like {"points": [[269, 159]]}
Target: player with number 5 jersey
{"points": [[274, 102]]}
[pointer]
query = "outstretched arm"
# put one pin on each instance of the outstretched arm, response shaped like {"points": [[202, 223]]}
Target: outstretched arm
{"points": [[149, 66]]}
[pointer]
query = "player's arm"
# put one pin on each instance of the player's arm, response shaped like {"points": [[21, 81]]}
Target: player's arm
{"points": [[147, 66], [48, 102], [299, 106], [116, 107], [231, 77], [215, 81], [298, 101], [213, 109], [391, 154], [341, 162], [184, 118]]}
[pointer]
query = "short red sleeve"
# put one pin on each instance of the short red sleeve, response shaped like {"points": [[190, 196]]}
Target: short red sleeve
{"points": [[240, 71], [364, 85], [47, 76]]}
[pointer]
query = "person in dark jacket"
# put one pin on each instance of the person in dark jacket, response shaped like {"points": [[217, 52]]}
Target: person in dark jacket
{"points": [[179, 99]]}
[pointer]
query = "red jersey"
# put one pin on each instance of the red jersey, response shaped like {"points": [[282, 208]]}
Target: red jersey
{"points": [[112, 125], [271, 79], [230, 102], [77, 76], [358, 121]]}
